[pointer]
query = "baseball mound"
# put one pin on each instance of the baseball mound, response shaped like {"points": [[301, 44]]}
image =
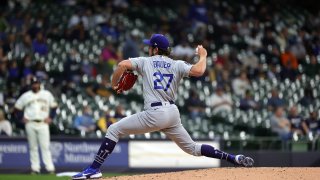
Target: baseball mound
{"points": [[232, 173]]}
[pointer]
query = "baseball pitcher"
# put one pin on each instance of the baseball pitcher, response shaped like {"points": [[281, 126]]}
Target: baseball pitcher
{"points": [[161, 77], [37, 108]]}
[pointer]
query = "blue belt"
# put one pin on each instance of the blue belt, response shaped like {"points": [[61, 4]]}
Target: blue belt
{"points": [[159, 103]]}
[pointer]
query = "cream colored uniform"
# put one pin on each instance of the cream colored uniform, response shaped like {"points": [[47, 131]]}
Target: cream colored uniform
{"points": [[36, 107]]}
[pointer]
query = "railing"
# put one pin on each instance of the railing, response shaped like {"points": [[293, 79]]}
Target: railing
{"points": [[270, 143]]}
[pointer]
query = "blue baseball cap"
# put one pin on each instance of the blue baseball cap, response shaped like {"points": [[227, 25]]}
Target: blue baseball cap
{"points": [[158, 40]]}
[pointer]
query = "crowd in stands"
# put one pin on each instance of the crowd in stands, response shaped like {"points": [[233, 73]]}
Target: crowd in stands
{"points": [[248, 41]]}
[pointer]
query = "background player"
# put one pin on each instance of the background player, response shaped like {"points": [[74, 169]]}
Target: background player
{"points": [[161, 78], [37, 108]]}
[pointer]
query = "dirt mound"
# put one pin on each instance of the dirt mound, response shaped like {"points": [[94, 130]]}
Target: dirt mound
{"points": [[232, 173]]}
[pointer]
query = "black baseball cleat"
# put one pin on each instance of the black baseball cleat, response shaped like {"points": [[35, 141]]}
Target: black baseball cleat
{"points": [[244, 161]]}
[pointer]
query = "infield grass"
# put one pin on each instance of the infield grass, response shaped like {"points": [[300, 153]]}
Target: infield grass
{"points": [[46, 177]]}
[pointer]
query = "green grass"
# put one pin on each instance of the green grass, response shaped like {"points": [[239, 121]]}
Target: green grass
{"points": [[46, 177]]}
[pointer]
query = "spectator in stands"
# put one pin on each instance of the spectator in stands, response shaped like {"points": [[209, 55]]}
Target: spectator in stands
{"points": [[121, 4], [78, 18], [272, 72], [103, 88], [9, 44], [88, 14], [288, 59], [3, 56], [280, 124], [103, 68], [297, 123], [105, 121], [119, 113], [24, 47], [313, 68], [10, 98], [195, 106], [109, 29], [269, 39], [254, 40], [222, 60], [5, 126], [240, 84], [77, 32], [109, 55], [183, 51], [282, 39], [221, 101], [181, 24], [273, 56], [250, 60], [40, 24], [289, 66], [39, 44], [257, 74], [40, 71], [55, 33], [3, 69], [3, 78], [131, 47], [26, 83], [297, 47], [14, 72], [243, 28], [27, 66], [222, 77], [308, 98], [17, 21], [72, 66], [275, 101], [198, 11], [69, 88], [198, 14], [316, 46], [313, 123], [87, 68], [85, 122], [248, 102]]}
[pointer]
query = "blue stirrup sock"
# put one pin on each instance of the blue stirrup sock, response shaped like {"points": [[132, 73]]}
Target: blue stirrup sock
{"points": [[108, 145], [106, 148], [209, 151]]}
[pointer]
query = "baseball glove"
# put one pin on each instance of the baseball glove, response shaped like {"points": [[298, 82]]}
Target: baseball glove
{"points": [[126, 82]]}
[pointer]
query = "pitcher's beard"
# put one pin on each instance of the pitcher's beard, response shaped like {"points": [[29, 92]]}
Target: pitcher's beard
{"points": [[35, 90]]}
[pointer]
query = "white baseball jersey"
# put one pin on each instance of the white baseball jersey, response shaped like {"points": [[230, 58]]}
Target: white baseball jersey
{"points": [[36, 106], [161, 77]]}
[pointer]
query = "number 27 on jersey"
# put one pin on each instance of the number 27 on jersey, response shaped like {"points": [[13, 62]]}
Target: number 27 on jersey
{"points": [[167, 78]]}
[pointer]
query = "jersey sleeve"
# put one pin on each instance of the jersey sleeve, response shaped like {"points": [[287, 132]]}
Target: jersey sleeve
{"points": [[20, 103], [137, 63], [183, 68], [52, 101]]}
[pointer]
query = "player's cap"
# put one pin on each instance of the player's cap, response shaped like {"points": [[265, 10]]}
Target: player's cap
{"points": [[159, 41], [35, 80]]}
